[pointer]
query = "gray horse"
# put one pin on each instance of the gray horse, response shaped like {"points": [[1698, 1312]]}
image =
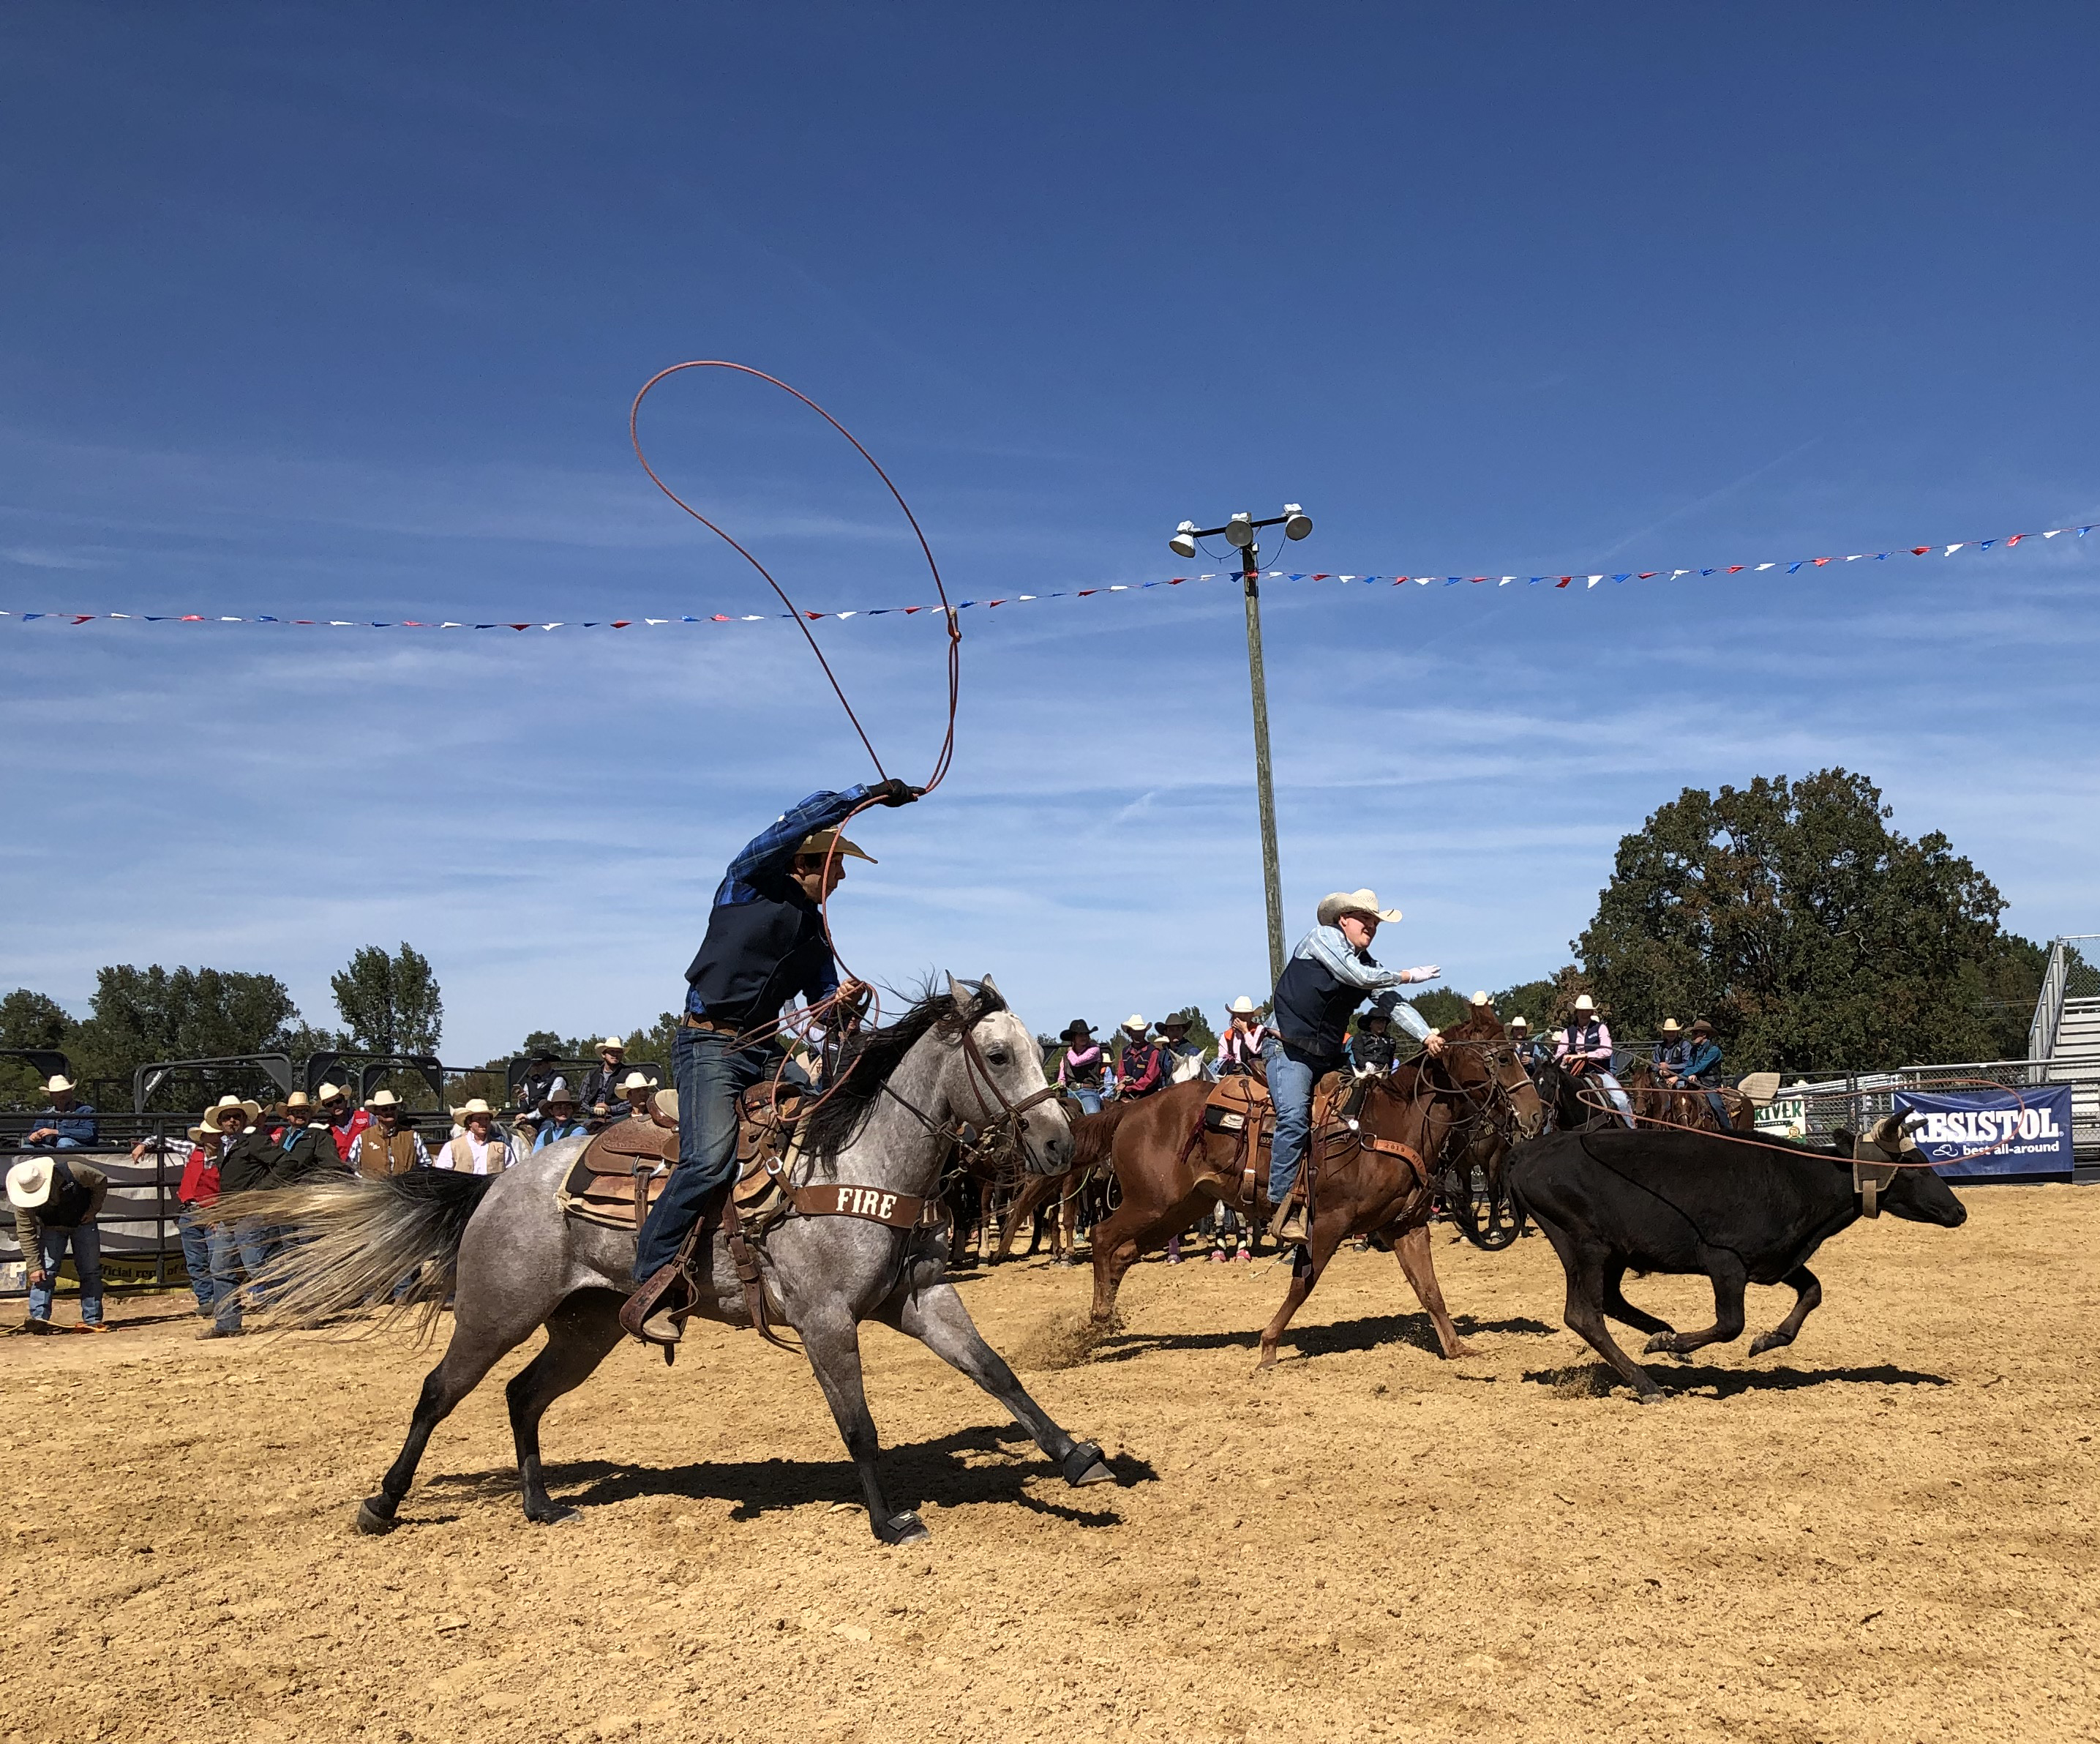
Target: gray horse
{"points": [[502, 1246]]}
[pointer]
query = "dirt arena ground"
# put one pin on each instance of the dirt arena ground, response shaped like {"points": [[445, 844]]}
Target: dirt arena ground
{"points": [[1887, 1533]]}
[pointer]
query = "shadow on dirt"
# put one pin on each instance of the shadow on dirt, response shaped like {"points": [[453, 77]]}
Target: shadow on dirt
{"points": [[1336, 1339], [990, 1463], [1596, 1380]]}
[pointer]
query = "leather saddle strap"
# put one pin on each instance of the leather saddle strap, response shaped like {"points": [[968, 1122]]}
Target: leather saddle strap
{"points": [[642, 1172], [896, 1211], [1392, 1147], [748, 1277]]}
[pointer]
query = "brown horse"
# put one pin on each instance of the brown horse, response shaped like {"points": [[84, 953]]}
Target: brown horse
{"points": [[1658, 1105], [1379, 1177], [1093, 1136]]}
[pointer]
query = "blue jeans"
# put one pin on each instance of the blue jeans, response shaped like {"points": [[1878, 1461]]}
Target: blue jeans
{"points": [[86, 1244], [196, 1235], [709, 1073], [1088, 1099], [250, 1243], [1292, 1072]]}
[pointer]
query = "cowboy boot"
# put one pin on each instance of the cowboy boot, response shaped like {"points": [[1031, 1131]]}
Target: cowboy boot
{"points": [[1288, 1228], [655, 1313]]}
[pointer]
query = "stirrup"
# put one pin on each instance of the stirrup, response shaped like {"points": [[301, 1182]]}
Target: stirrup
{"points": [[1292, 1208], [655, 1314]]}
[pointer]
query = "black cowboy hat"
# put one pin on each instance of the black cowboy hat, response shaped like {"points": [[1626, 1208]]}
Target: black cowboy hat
{"points": [[1076, 1029]]}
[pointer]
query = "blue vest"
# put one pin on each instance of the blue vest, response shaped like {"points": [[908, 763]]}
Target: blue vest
{"points": [[757, 953], [1312, 1009]]}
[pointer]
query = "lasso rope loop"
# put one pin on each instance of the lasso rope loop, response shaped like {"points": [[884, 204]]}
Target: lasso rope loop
{"points": [[854, 1016]]}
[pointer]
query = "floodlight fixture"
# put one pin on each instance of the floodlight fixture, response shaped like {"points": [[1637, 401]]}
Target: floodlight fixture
{"points": [[1297, 524], [1183, 544], [1239, 531]]}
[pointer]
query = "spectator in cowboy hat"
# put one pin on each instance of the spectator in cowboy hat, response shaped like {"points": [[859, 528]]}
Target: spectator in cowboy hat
{"points": [[247, 1244], [1701, 1070], [475, 1151], [195, 1194], [1372, 1048], [1585, 1047], [1141, 1068], [1670, 1051], [67, 1124], [55, 1204], [1083, 1072], [601, 1094], [344, 1122], [301, 1151], [1519, 1032], [1240, 1046], [638, 1092], [561, 1122], [389, 1146], [540, 1077], [1184, 1061]]}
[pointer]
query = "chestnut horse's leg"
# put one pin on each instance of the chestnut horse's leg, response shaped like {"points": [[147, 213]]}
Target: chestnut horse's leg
{"points": [[1134, 1228], [1032, 1192], [1327, 1233], [1412, 1251]]}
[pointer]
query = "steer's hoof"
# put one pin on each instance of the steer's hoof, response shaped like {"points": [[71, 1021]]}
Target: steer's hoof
{"points": [[1085, 1465], [375, 1516], [1651, 1394], [554, 1514], [906, 1527], [1765, 1341], [1662, 1342]]}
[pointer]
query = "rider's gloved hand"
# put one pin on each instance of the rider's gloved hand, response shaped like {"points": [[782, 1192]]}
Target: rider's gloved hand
{"points": [[895, 792]]}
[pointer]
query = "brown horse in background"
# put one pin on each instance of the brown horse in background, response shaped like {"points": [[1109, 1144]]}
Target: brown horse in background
{"points": [[1170, 1168], [1092, 1137]]}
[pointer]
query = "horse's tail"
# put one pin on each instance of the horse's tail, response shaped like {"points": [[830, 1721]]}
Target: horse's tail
{"points": [[354, 1244], [1093, 1135]]}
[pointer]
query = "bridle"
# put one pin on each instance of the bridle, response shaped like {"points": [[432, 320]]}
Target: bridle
{"points": [[981, 1147]]}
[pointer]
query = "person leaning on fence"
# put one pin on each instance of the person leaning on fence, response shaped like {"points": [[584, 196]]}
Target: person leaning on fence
{"points": [[65, 1124], [57, 1203], [475, 1150], [387, 1146], [195, 1193]]}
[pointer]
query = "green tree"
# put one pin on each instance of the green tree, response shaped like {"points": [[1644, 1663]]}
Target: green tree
{"points": [[1809, 931], [30, 1020], [389, 1003], [1440, 1007], [141, 1015]]}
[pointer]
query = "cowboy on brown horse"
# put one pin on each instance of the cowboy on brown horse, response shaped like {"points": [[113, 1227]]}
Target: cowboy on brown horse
{"points": [[1328, 975]]}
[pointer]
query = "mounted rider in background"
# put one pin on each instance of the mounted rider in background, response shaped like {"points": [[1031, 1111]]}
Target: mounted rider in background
{"points": [[1328, 975], [1585, 1048], [1700, 1069], [765, 940], [1141, 1070]]}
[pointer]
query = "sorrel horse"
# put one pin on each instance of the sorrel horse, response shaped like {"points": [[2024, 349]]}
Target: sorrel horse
{"points": [[1170, 1169], [1092, 1137]]}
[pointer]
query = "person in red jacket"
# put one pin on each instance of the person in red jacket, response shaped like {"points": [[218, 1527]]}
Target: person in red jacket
{"points": [[1142, 1068]]}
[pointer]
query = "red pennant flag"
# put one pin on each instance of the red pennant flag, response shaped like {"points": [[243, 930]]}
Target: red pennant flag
{"points": [[720, 619], [192, 617], [2014, 540], [909, 610], [521, 626], [1563, 581], [1734, 569], [1821, 561], [84, 617], [621, 623], [1649, 574], [1920, 550], [1085, 592], [813, 616]]}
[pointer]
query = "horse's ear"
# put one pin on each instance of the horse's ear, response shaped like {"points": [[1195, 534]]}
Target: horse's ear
{"points": [[991, 990], [960, 994]]}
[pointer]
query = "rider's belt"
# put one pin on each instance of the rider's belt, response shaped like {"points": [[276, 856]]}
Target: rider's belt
{"points": [[692, 1022], [898, 1211]]}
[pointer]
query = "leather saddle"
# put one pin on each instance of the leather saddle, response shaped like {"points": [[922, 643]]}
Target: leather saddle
{"points": [[622, 1171], [1240, 1110]]}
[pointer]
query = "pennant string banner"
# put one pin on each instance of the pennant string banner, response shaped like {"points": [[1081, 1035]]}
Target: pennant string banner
{"points": [[1552, 581]]}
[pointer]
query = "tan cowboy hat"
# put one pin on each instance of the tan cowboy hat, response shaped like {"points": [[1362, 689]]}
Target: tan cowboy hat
{"points": [[819, 841], [29, 1184], [560, 1093], [297, 1099], [1482, 998], [474, 1105], [1136, 1024], [384, 1099], [666, 1103], [634, 1081], [198, 1135], [1583, 1002], [249, 1112], [328, 1093], [1242, 1007], [56, 1082], [1333, 907], [1670, 1026], [1519, 1022], [613, 1044]]}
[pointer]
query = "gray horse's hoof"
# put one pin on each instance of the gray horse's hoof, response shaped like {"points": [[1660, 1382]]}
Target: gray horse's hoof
{"points": [[1085, 1465], [375, 1516], [906, 1527]]}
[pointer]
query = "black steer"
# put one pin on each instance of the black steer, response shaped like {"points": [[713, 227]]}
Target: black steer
{"points": [[1743, 1210]]}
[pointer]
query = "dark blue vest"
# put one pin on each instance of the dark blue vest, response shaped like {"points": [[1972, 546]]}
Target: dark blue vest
{"points": [[1312, 1009], [757, 953]]}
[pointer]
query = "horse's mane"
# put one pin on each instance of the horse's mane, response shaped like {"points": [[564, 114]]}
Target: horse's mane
{"points": [[871, 1059], [1486, 1026], [1093, 1135]]}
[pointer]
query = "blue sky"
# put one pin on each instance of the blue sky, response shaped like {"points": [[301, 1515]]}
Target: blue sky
{"points": [[337, 311]]}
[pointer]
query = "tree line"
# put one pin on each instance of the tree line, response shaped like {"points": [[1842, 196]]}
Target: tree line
{"points": [[1789, 913]]}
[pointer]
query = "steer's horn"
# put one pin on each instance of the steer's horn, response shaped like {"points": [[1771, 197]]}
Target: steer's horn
{"points": [[1888, 1133]]}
